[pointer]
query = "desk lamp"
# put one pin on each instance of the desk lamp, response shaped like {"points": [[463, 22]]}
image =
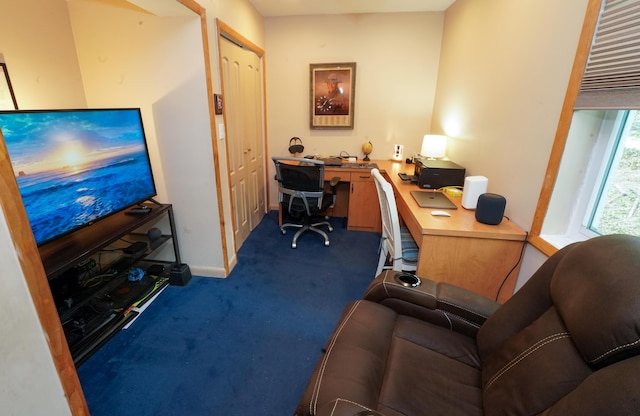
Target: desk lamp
{"points": [[434, 146]]}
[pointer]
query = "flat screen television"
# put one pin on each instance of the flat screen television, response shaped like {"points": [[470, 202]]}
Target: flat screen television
{"points": [[75, 167]]}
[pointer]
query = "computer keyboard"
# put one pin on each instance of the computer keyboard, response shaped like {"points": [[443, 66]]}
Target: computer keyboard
{"points": [[361, 165]]}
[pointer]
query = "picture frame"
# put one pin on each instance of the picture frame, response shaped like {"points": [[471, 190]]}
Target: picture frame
{"points": [[333, 87], [219, 106], [7, 97]]}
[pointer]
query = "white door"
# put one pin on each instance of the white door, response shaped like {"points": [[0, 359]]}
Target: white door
{"points": [[242, 86]]}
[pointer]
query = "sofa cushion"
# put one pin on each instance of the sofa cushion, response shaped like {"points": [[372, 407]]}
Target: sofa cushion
{"points": [[533, 369], [397, 365], [355, 357], [597, 292], [430, 368]]}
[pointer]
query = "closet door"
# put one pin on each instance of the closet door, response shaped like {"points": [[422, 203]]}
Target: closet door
{"points": [[242, 86]]}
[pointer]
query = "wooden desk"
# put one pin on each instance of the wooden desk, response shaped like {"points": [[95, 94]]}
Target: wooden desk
{"points": [[356, 200], [459, 249], [456, 249]]}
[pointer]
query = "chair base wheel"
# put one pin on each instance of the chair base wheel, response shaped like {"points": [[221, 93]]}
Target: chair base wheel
{"points": [[301, 228]]}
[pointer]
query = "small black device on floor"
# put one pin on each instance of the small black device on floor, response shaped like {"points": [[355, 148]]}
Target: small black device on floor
{"points": [[180, 275]]}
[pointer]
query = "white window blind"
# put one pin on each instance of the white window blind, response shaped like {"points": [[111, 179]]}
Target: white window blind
{"points": [[612, 77]]}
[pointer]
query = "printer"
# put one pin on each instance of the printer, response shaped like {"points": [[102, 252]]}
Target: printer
{"points": [[436, 174]]}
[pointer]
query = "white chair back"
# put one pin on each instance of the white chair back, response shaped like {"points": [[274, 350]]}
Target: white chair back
{"points": [[391, 241]]}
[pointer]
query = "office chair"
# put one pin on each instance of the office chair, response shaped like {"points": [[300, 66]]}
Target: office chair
{"points": [[302, 195], [396, 244]]}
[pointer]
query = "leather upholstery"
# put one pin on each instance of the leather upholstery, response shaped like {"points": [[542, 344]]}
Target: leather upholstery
{"points": [[566, 343]]}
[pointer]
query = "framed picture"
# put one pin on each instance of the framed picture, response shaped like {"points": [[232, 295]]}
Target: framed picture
{"points": [[7, 98], [217, 98], [333, 88]]}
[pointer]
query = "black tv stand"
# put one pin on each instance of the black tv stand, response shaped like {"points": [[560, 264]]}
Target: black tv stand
{"points": [[88, 272]]}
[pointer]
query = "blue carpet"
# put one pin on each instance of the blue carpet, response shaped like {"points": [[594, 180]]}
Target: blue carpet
{"points": [[242, 345]]}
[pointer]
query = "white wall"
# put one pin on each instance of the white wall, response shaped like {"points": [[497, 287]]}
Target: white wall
{"points": [[397, 57], [503, 75], [29, 383], [37, 45], [157, 64]]}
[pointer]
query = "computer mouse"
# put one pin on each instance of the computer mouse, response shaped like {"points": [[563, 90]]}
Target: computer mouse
{"points": [[440, 214]]}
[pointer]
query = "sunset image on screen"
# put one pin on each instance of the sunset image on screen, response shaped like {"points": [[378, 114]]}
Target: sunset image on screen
{"points": [[76, 166]]}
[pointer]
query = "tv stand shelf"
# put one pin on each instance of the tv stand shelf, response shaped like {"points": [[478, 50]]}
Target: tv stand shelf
{"points": [[73, 248], [89, 269]]}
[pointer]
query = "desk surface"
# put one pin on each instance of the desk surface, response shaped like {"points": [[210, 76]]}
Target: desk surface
{"points": [[456, 249], [462, 222]]}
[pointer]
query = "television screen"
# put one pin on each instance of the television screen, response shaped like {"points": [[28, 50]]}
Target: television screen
{"points": [[74, 167]]}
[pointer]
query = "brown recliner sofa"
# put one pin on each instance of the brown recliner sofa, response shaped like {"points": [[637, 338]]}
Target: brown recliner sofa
{"points": [[567, 343]]}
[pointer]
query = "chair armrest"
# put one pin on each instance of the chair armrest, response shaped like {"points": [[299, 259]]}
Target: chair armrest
{"points": [[436, 302]]}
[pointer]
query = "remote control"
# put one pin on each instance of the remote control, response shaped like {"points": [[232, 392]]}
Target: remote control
{"points": [[138, 211]]}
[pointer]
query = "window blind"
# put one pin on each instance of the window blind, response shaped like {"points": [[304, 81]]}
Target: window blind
{"points": [[611, 78]]}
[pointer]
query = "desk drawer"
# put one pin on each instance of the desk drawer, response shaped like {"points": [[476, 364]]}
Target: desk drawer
{"points": [[345, 175]]}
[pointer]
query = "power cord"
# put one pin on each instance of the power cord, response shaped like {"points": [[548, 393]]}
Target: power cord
{"points": [[524, 245]]}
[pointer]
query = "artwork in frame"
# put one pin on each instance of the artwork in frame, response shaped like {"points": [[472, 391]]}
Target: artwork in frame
{"points": [[7, 98], [333, 89]]}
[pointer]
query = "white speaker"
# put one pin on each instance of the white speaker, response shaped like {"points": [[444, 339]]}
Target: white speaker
{"points": [[474, 186], [397, 151]]}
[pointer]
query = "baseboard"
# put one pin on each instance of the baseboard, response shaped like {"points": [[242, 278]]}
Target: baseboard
{"points": [[205, 271]]}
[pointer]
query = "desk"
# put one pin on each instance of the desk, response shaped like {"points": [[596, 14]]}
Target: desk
{"points": [[459, 249], [357, 197], [456, 249]]}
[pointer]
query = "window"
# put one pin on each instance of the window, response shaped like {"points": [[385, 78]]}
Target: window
{"points": [[592, 183], [597, 190], [614, 206]]}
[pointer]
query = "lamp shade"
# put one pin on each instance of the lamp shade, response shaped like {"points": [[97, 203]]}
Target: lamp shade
{"points": [[434, 145]]}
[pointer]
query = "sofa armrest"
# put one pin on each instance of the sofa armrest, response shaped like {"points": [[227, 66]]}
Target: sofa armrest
{"points": [[436, 302]]}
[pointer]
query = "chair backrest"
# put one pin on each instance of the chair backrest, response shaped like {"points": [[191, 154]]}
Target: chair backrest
{"points": [[300, 182], [390, 220], [568, 342]]}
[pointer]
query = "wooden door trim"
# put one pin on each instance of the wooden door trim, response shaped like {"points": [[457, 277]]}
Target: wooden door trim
{"points": [[227, 32], [201, 11], [38, 284]]}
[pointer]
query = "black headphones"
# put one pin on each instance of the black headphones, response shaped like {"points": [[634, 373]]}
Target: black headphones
{"points": [[295, 145]]}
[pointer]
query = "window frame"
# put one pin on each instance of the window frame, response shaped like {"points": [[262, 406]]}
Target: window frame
{"points": [[566, 115]]}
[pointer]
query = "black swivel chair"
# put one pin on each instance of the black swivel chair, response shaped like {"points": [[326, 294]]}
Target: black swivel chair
{"points": [[302, 195]]}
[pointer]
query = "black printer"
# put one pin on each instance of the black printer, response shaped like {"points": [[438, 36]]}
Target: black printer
{"points": [[436, 174]]}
